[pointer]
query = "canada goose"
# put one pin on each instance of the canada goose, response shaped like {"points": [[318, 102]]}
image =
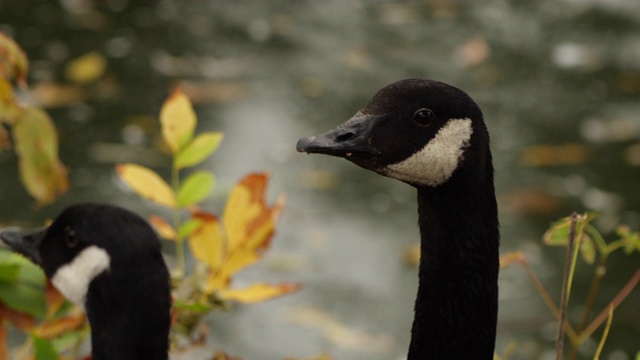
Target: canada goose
{"points": [[108, 261], [432, 136]]}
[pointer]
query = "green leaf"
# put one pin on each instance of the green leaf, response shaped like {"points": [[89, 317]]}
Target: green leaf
{"points": [[44, 349], [36, 144], [199, 149], [23, 298], [189, 227], [558, 233], [195, 188], [587, 250], [9, 272], [195, 307]]}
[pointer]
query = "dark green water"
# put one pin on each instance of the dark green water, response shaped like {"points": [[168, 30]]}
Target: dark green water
{"points": [[544, 72]]}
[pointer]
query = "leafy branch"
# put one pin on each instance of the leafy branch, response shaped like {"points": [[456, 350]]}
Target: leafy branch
{"points": [[589, 243]]}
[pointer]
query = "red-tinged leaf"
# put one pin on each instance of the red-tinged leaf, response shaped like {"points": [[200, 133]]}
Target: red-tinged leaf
{"points": [[178, 121], [53, 298], [206, 242], [199, 149], [19, 319], [13, 61], [163, 228], [56, 327], [258, 292], [147, 183], [195, 188], [246, 210], [4, 349], [36, 143]]}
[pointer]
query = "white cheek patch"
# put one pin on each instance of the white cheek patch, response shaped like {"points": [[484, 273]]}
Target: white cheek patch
{"points": [[73, 279], [435, 163]]}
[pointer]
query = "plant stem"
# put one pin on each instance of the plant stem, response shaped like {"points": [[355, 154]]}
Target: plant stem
{"points": [[564, 297], [175, 184], [626, 290], [546, 297], [604, 334]]}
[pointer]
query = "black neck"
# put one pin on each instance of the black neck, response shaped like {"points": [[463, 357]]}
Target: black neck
{"points": [[457, 304], [129, 317]]}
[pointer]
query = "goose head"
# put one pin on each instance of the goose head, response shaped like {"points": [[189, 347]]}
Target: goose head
{"points": [[108, 261], [418, 131]]}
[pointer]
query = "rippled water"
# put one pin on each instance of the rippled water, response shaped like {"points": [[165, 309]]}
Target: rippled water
{"points": [[267, 73]]}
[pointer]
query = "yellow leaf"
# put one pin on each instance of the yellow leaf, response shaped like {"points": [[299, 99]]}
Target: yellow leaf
{"points": [[13, 61], [36, 141], [87, 68], [178, 120], [164, 229], [246, 209], [258, 292], [206, 242], [221, 278], [9, 109], [147, 183]]}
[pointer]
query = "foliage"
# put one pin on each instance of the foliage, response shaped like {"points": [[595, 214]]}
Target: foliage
{"points": [[221, 247], [580, 236], [36, 141]]}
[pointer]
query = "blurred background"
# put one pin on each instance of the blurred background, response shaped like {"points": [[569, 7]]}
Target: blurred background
{"points": [[558, 82]]}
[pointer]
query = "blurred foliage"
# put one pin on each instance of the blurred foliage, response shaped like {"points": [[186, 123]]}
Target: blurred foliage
{"points": [[221, 247], [36, 141], [593, 249]]}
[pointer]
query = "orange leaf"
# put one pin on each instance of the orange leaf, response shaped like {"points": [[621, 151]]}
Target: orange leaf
{"points": [[56, 327], [178, 120], [54, 299], [258, 292], [147, 183], [36, 142], [206, 242], [164, 229], [20, 320], [4, 350]]}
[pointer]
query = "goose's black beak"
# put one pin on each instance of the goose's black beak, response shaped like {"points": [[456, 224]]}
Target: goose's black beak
{"points": [[351, 139], [24, 242]]}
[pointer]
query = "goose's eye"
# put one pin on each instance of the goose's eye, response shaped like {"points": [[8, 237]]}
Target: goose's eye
{"points": [[423, 117], [70, 237]]}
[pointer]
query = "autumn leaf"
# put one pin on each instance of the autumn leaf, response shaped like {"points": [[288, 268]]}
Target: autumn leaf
{"points": [[195, 188], [249, 225], [56, 327], [163, 228], [199, 149], [178, 121], [87, 68], [555, 155], [9, 108], [258, 292], [206, 242], [147, 183], [510, 258], [13, 61], [36, 141]]}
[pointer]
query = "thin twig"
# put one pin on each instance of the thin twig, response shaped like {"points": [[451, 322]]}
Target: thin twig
{"points": [[565, 287], [626, 290], [546, 297]]}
